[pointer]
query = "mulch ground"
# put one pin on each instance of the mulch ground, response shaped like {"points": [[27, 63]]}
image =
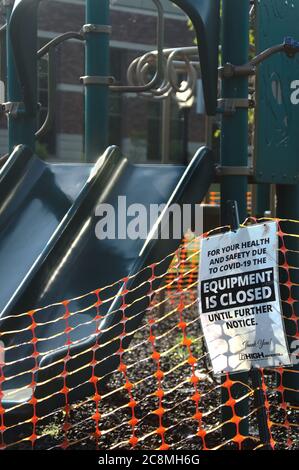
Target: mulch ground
{"points": [[76, 428]]}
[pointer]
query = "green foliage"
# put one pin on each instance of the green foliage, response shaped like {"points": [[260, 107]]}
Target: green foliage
{"points": [[217, 134], [190, 27], [41, 150], [251, 116], [251, 38]]}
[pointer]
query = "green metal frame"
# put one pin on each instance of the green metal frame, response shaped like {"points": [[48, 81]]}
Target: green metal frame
{"points": [[276, 136], [21, 124], [205, 17], [22, 74], [96, 95], [234, 152]]}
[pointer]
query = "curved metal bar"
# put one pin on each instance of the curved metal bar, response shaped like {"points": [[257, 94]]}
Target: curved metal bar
{"points": [[49, 49], [131, 72], [136, 67], [23, 37], [266, 54], [174, 64], [191, 77], [157, 93], [47, 125], [146, 59], [161, 92], [136, 73], [160, 68], [58, 40], [230, 70]]}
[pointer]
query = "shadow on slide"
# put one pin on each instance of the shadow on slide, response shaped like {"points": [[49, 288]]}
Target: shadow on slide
{"points": [[49, 252]]}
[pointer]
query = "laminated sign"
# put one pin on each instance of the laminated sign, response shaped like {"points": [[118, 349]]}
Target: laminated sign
{"points": [[239, 299]]}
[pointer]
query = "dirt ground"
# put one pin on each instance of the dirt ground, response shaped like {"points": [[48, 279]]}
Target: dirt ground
{"points": [[75, 428]]}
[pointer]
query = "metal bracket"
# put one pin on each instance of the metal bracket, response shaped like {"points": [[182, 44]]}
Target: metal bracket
{"points": [[234, 170], [229, 70], [230, 105], [96, 28], [291, 46], [13, 108], [97, 80]]}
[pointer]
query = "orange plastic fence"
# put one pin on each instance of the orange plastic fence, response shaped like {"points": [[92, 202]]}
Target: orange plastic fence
{"points": [[213, 198], [163, 394]]}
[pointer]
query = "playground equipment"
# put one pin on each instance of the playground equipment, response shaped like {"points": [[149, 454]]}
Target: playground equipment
{"points": [[52, 206], [205, 17], [73, 249]]}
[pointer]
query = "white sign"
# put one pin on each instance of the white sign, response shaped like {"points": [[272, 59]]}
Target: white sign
{"points": [[239, 299]]}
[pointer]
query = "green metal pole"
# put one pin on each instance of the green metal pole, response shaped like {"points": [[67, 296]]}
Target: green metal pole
{"points": [[234, 152], [288, 208], [21, 128], [262, 199], [97, 66], [234, 135]]}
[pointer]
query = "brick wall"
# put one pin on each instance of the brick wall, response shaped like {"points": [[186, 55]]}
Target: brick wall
{"points": [[57, 17]]}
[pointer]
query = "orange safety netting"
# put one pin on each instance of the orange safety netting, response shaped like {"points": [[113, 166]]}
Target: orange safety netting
{"points": [[213, 198], [162, 394]]}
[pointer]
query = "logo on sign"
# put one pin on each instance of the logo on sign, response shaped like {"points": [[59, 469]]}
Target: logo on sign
{"points": [[295, 93], [251, 356]]}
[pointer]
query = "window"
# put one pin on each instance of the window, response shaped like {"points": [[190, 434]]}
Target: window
{"points": [[176, 133], [46, 144], [154, 110], [155, 127], [115, 100]]}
